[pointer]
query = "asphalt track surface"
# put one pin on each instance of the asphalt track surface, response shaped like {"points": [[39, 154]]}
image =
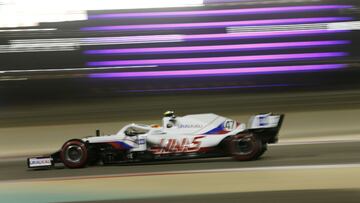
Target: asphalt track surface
{"points": [[329, 196], [309, 154], [291, 155]]}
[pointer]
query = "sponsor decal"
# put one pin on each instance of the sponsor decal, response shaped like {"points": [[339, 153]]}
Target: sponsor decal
{"points": [[33, 162], [189, 126], [263, 120], [141, 141], [184, 145]]}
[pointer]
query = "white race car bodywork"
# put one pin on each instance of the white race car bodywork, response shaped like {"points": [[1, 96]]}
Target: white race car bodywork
{"points": [[186, 136], [189, 133]]}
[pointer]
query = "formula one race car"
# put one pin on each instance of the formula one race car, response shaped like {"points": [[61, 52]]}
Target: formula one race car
{"points": [[191, 136]]}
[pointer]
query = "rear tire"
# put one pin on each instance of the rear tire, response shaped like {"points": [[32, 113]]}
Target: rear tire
{"points": [[74, 154], [263, 150], [246, 147]]}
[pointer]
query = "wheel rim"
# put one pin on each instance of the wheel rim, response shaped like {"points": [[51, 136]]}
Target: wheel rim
{"points": [[243, 146], [73, 153]]}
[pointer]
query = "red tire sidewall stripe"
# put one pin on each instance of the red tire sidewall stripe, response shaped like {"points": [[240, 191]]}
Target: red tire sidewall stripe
{"points": [[83, 159]]}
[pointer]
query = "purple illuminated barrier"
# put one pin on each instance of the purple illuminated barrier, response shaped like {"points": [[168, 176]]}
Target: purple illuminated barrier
{"points": [[207, 88], [220, 60], [217, 24], [219, 72], [219, 48], [248, 11]]}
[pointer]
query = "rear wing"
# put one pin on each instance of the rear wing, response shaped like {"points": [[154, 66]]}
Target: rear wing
{"points": [[267, 126]]}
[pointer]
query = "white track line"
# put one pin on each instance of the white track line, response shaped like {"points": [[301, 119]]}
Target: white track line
{"points": [[318, 140]]}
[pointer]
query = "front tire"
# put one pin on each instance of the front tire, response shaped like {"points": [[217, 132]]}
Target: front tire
{"points": [[74, 154], [246, 147]]}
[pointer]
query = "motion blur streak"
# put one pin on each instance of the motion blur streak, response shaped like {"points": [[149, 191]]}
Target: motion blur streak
{"points": [[223, 1], [216, 24], [253, 2], [230, 36], [131, 39], [219, 48], [29, 30], [37, 47], [24, 13], [98, 40], [219, 72], [204, 88], [69, 44], [248, 11], [200, 37], [222, 60], [74, 69], [352, 25]]}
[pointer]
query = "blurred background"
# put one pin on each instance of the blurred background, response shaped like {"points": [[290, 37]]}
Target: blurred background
{"points": [[117, 51], [53, 51], [68, 68]]}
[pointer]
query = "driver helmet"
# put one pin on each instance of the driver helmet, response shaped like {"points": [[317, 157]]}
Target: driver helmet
{"points": [[169, 114]]}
